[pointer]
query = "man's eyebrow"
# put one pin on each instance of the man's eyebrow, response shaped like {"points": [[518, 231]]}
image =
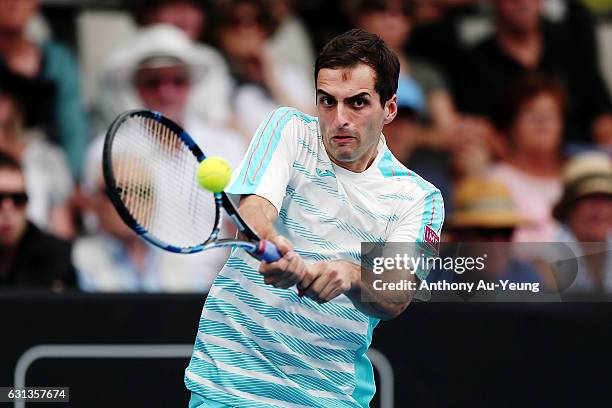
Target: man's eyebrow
{"points": [[359, 95]]}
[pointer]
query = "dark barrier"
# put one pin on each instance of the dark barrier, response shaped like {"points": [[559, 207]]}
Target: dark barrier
{"points": [[442, 354]]}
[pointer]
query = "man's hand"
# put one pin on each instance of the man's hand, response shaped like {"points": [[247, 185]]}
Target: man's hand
{"points": [[327, 280], [288, 270]]}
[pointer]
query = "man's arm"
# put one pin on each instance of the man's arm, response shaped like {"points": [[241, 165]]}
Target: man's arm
{"points": [[328, 279], [260, 214]]}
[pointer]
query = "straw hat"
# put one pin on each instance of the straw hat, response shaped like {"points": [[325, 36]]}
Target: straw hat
{"points": [[585, 174], [481, 203]]}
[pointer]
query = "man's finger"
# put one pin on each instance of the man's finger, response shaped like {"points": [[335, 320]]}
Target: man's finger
{"points": [[310, 274], [283, 245], [274, 268], [315, 288]]}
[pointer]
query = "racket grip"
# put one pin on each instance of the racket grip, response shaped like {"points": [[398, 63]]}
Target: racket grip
{"points": [[267, 251]]}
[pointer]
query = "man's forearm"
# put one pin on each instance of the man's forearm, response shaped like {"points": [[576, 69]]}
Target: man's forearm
{"points": [[260, 214], [374, 303]]}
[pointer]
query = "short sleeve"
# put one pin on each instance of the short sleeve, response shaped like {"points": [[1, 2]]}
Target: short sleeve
{"points": [[265, 170], [421, 224], [424, 215]]}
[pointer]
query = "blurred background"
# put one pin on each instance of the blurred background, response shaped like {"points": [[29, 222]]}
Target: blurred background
{"points": [[505, 105]]}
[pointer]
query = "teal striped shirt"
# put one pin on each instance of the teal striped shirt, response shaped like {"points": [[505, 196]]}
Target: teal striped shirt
{"points": [[259, 346]]}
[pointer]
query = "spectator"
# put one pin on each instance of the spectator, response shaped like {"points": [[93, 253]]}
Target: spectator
{"points": [[187, 15], [51, 62], [525, 43], [115, 259], [585, 211], [263, 82], [159, 68], [28, 256], [443, 32], [291, 40], [48, 180], [532, 117], [210, 98]]}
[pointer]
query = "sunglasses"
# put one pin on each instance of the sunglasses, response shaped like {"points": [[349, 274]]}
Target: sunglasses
{"points": [[154, 83], [19, 199]]}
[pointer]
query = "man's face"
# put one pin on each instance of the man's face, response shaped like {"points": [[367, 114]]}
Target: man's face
{"points": [[164, 89], [519, 15], [590, 218], [13, 202], [351, 116], [16, 13]]}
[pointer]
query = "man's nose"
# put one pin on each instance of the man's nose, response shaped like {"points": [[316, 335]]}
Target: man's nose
{"points": [[167, 91], [342, 116], [6, 204]]}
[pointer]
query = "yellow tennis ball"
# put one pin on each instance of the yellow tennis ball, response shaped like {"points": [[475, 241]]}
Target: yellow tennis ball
{"points": [[214, 174]]}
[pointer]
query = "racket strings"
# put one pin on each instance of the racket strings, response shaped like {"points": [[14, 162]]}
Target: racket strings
{"points": [[156, 174]]}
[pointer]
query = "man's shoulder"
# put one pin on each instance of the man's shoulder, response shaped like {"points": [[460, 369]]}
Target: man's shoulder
{"points": [[290, 124], [401, 178], [286, 114]]}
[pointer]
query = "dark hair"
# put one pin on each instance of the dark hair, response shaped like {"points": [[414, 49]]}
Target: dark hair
{"points": [[361, 47], [8, 162], [523, 90]]}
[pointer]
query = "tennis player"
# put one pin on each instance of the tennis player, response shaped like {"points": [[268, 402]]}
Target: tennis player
{"points": [[317, 187]]}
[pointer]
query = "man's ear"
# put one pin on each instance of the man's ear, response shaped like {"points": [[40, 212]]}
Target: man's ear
{"points": [[391, 109]]}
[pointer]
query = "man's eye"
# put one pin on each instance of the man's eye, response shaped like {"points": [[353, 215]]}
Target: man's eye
{"points": [[359, 103], [326, 101]]}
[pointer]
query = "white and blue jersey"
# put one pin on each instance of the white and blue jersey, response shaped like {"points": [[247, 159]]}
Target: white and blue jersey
{"points": [[259, 346]]}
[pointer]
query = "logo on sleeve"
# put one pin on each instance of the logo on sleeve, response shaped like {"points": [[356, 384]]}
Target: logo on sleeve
{"points": [[431, 236]]}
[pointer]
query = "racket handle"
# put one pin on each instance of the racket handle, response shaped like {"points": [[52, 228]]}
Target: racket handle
{"points": [[267, 251]]}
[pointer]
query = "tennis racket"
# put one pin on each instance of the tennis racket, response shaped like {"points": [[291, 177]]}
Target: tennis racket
{"points": [[149, 166]]}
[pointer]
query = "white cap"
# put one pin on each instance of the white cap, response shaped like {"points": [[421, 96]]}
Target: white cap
{"points": [[159, 45]]}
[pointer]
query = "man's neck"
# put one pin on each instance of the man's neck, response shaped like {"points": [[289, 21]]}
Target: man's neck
{"points": [[360, 165], [525, 46]]}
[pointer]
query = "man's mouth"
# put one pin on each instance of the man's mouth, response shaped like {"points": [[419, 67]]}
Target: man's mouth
{"points": [[342, 138]]}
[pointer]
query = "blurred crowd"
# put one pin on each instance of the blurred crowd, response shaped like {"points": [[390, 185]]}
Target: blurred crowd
{"points": [[510, 118]]}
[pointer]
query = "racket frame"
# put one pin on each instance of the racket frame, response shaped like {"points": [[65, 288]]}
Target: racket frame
{"points": [[254, 244]]}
